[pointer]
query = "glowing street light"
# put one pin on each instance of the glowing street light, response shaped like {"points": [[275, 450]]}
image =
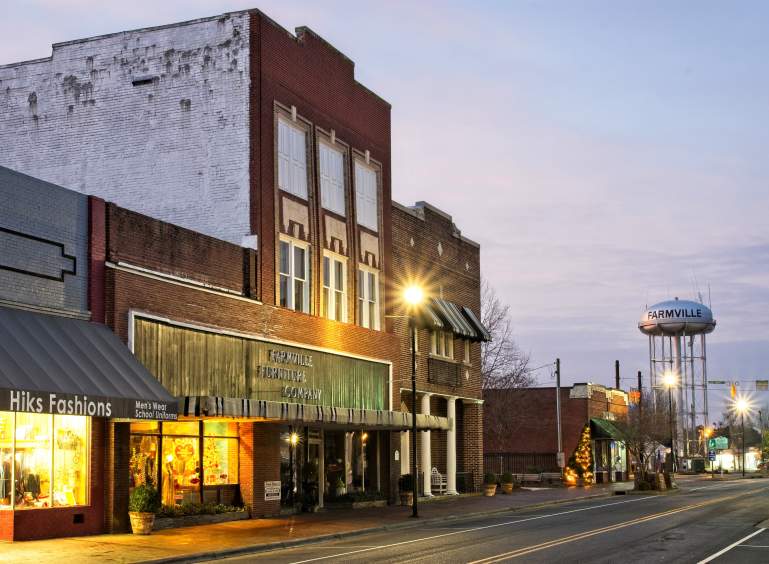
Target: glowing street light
{"points": [[414, 296], [742, 406], [670, 381]]}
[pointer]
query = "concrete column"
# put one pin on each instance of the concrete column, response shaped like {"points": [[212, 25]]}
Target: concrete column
{"points": [[405, 452], [427, 463], [451, 447]]}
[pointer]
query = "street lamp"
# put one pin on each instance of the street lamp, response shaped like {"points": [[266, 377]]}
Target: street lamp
{"points": [[742, 407], [669, 379], [414, 297]]}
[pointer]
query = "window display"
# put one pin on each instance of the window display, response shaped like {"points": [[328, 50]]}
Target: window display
{"points": [[43, 460], [177, 470]]}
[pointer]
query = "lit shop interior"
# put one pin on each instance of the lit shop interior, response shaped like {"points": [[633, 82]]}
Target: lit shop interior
{"points": [[43, 460]]}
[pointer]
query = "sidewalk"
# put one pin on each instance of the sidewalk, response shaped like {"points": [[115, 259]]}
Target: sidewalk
{"points": [[186, 542]]}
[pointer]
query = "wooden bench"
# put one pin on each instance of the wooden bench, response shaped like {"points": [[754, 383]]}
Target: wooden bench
{"points": [[531, 478], [438, 482], [551, 477]]}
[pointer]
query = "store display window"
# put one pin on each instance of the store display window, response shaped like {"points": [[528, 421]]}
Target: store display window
{"points": [[168, 456], [43, 460]]}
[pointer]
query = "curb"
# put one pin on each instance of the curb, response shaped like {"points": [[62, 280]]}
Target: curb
{"points": [[266, 547]]}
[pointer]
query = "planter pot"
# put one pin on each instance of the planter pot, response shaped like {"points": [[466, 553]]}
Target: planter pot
{"points": [[507, 488], [193, 520], [489, 490], [407, 498], [141, 523]]}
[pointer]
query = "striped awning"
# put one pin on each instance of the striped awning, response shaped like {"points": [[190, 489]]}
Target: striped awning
{"points": [[429, 319], [483, 333], [210, 406], [457, 322]]}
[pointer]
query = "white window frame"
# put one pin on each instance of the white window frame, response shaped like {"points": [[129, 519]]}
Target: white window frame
{"points": [[291, 154], [291, 277], [466, 347], [442, 344], [332, 294], [364, 198], [333, 195], [365, 299]]}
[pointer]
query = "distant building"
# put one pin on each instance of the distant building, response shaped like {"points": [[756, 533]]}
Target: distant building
{"points": [[520, 428]]}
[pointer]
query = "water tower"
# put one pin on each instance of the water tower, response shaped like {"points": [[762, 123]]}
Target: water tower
{"points": [[676, 330]]}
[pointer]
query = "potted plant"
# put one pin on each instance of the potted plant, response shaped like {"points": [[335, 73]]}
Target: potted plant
{"points": [[406, 488], [143, 503], [341, 489], [490, 484], [507, 483]]}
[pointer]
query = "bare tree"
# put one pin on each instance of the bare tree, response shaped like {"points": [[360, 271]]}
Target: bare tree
{"points": [[503, 364]]}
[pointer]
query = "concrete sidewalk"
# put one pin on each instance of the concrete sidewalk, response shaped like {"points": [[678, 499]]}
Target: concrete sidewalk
{"points": [[254, 534]]}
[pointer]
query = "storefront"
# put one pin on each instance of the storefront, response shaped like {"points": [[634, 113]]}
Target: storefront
{"points": [[610, 455], [61, 379], [323, 418]]}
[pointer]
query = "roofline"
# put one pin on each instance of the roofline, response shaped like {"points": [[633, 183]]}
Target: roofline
{"points": [[422, 205], [296, 35]]}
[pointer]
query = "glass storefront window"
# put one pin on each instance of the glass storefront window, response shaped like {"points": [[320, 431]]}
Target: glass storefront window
{"points": [[220, 461], [6, 459], [220, 429], [181, 428], [34, 460], [144, 460], [181, 470], [70, 460], [44, 460]]}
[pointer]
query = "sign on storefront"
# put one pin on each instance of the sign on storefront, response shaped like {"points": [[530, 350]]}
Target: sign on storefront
{"points": [[272, 491]]}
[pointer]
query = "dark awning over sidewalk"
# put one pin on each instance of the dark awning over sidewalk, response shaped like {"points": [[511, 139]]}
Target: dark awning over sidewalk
{"points": [[65, 366], [604, 429]]}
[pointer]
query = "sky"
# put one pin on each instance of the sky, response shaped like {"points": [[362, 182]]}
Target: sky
{"points": [[606, 155]]}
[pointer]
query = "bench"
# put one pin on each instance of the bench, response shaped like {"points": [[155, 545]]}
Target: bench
{"points": [[438, 482], [551, 477]]}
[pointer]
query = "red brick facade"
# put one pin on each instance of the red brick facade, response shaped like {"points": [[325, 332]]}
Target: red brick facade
{"points": [[523, 421]]}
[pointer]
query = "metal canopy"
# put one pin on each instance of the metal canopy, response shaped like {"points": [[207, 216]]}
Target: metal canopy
{"points": [[604, 429], [65, 366], [453, 317], [483, 333], [211, 406]]}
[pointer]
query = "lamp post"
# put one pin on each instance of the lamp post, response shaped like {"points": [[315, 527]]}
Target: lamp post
{"points": [[670, 381], [413, 296], [742, 407]]}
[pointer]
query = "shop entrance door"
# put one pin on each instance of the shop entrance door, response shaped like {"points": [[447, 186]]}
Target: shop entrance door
{"points": [[313, 478]]}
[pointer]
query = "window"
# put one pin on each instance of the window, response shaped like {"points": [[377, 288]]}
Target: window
{"points": [[292, 159], [366, 196], [294, 287], [442, 344], [43, 460], [334, 299], [178, 470], [466, 344], [331, 178], [368, 299]]}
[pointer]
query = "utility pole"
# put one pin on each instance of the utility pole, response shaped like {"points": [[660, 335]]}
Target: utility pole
{"points": [[616, 374], [560, 456], [641, 420]]}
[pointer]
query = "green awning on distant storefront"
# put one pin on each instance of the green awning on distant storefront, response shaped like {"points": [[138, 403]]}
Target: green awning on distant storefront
{"points": [[604, 429]]}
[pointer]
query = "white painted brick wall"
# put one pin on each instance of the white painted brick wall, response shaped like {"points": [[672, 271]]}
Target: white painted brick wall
{"points": [[176, 149]]}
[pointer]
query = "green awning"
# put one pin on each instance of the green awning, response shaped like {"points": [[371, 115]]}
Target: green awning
{"points": [[604, 429]]}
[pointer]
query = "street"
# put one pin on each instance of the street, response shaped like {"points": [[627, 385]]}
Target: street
{"points": [[697, 524]]}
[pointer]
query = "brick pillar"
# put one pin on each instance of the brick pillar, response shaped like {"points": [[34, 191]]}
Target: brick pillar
{"points": [[97, 253], [473, 440], [264, 467], [246, 463], [6, 525], [117, 457]]}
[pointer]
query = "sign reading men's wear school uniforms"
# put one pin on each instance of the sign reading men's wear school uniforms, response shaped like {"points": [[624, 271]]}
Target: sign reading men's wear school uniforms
{"points": [[57, 403]]}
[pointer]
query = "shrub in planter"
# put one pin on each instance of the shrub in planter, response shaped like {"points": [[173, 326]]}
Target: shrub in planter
{"points": [[340, 488], [507, 483], [406, 488], [143, 503], [489, 484]]}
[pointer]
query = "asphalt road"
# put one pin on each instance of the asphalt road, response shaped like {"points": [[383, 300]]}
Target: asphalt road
{"points": [[692, 526]]}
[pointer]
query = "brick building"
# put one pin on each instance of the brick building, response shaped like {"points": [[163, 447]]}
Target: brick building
{"points": [[520, 428], [241, 243]]}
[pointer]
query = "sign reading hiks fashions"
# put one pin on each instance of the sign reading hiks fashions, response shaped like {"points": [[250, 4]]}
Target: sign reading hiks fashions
{"points": [[56, 403], [290, 374]]}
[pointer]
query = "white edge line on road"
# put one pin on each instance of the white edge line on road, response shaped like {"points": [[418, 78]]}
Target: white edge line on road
{"points": [[473, 529], [731, 546]]}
